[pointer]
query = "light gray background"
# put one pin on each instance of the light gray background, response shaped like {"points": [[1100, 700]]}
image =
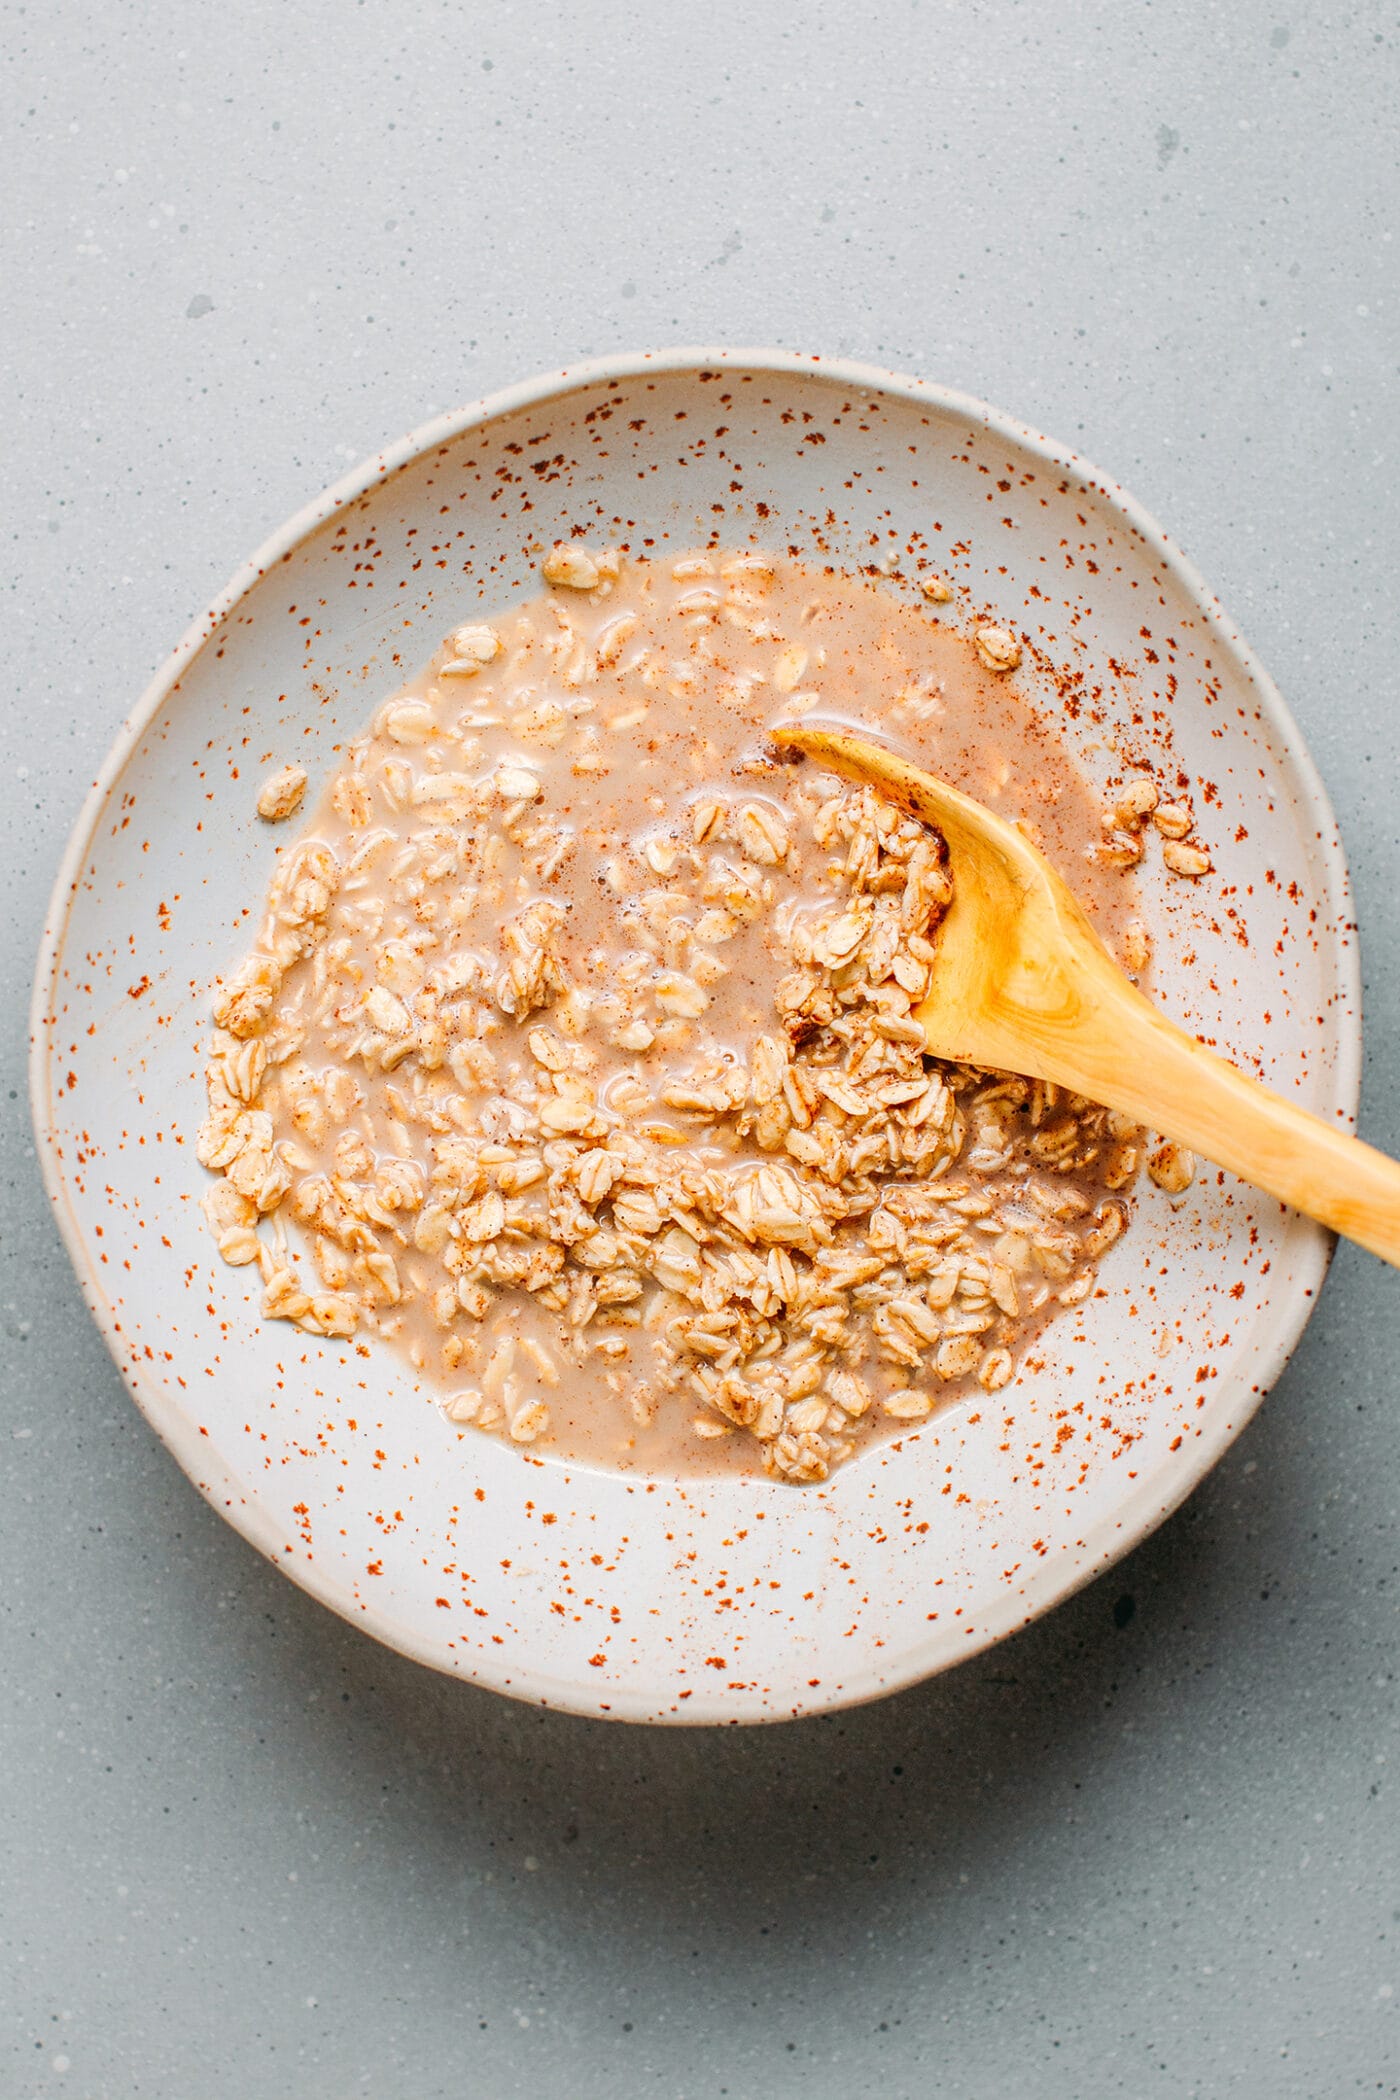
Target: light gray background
{"points": [[1151, 1845]]}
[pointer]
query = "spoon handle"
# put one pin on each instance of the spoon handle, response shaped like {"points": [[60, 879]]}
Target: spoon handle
{"points": [[1135, 1060]]}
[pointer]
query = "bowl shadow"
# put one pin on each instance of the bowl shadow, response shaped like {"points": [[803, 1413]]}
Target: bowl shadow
{"points": [[715, 1836]]}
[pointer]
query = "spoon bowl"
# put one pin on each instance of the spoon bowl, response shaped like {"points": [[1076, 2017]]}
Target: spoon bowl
{"points": [[1024, 983]]}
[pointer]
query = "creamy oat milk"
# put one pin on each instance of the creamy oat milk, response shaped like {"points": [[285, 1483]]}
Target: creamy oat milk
{"points": [[576, 1051]]}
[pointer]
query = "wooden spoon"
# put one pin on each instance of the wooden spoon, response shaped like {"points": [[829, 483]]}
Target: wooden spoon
{"points": [[1024, 984]]}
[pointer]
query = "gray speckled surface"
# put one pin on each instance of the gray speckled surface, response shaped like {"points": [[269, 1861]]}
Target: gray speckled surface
{"points": [[1151, 1845]]}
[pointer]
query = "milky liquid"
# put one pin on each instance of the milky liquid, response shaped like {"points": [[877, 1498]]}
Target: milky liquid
{"points": [[624, 753]]}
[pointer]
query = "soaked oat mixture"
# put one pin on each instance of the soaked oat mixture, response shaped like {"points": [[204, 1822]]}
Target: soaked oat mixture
{"points": [[577, 1047]]}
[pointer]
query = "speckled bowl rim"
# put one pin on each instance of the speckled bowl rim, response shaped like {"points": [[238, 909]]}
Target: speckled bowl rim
{"points": [[1155, 1498]]}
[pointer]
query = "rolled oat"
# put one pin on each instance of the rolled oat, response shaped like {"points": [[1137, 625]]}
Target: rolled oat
{"points": [[998, 650], [282, 794]]}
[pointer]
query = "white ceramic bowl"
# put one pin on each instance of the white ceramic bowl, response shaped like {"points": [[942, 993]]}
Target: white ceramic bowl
{"points": [[665, 1600]]}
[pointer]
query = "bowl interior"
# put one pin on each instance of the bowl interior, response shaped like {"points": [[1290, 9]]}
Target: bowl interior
{"points": [[732, 1600]]}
